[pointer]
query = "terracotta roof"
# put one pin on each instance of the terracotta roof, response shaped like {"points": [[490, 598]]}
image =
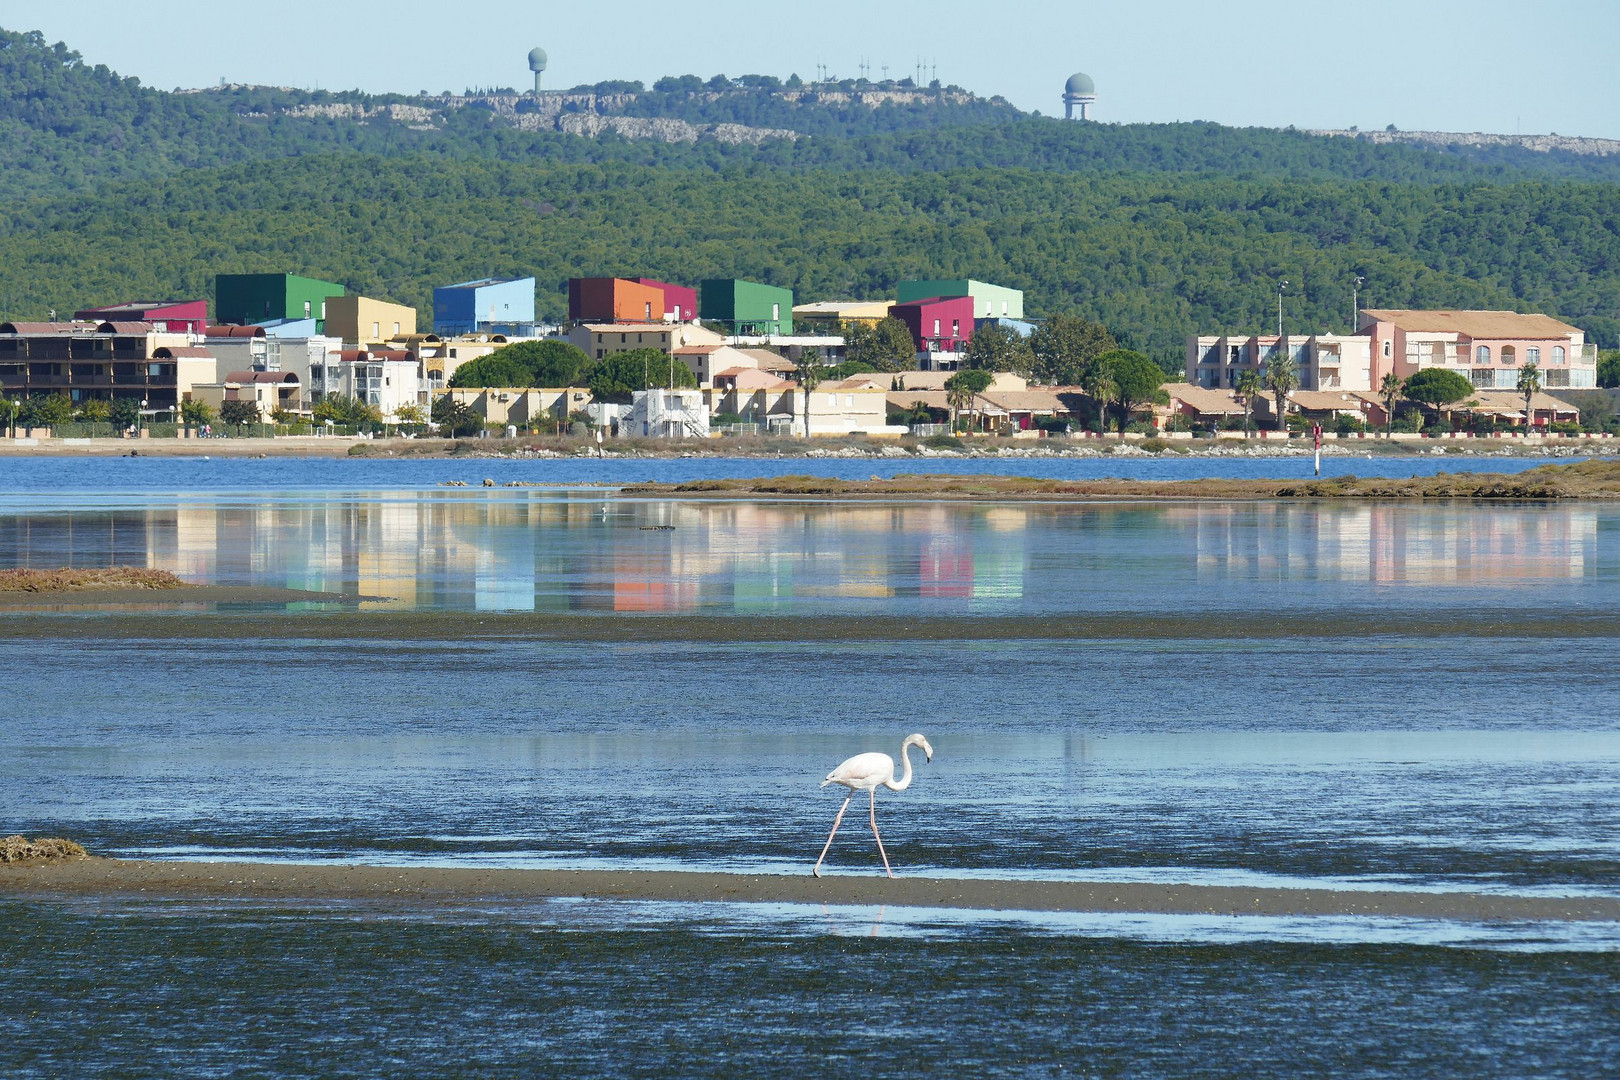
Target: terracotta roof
{"points": [[1475, 324], [1204, 400], [698, 350], [352, 356], [1030, 401], [233, 331], [851, 386], [262, 377], [391, 354], [747, 378], [47, 327], [1511, 402], [125, 327], [186, 352]]}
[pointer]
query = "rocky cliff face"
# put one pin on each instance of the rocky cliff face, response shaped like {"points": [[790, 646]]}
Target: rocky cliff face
{"points": [[589, 115], [1542, 144]]}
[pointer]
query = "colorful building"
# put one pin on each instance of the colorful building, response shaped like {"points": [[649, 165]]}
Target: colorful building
{"points": [[989, 301], [488, 306], [747, 307], [360, 320], [84, 360], [172, 316], [680, 302], [244, 299], [614, 300], [939, 323], [1486, 347], [831, 316]]}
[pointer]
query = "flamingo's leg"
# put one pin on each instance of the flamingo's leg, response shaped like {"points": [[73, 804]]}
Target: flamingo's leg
{"points": [[878, 838], [836, 822]]}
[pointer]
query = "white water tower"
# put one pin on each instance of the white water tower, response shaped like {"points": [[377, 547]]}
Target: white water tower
{"points": [[1081, 91], [537, 64]]}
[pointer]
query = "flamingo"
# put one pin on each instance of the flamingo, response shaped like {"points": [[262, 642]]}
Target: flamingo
{"points": [[868, 772]]}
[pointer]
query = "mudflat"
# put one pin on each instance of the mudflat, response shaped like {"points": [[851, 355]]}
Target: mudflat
{"points": [[429, 885]]}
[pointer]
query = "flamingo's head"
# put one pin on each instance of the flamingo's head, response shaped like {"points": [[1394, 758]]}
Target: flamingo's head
{"points": [[918, 740]]}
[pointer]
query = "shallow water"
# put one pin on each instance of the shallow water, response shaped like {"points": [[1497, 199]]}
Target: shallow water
{"points": [[49, 475], [1479, 755], [338, 992]]}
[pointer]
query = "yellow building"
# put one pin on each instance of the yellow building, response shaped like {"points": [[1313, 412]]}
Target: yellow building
{"points": [[360, 321], [829, 316]]}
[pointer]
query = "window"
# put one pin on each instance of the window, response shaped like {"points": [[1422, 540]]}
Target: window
{"points": [[776, 312], [306, 309], [1532, 355], [323, 309], [1389, 349], [1509, 354], [956, 328], [376, 331], [396, 329], [936, 328], [1558, 354], [1482, 355]]}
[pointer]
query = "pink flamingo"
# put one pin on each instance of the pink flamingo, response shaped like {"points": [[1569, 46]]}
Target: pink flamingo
{"points": [[868, 772]]}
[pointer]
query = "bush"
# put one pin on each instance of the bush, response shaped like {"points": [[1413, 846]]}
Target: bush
{"points": [[1566, 427], [1345, 424], [1141, 427], [944, 442], [1154, 446]]}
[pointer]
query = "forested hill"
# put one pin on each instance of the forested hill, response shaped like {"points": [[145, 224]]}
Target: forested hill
{"points": [[112, 191], [65, 125]]}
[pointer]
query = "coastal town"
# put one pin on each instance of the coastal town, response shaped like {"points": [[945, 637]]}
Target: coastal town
{"points": [[283, 354]]}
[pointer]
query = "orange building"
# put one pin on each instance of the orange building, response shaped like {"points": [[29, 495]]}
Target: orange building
{"points": [[614, 300]]}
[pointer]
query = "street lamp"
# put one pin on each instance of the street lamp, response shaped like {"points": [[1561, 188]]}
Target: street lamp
{"points": [[1282, 288], [16, 410], [1355, 301]]}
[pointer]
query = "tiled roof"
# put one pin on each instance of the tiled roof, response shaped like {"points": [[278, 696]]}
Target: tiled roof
{"points": [[1475, 324]]}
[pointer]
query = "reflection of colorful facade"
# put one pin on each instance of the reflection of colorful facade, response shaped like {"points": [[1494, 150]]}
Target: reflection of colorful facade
{"points": [[509, 551]]}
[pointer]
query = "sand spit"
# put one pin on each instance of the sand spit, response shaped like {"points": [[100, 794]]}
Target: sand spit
{"points": [[428, 885], [92, 599], [1598, 479]]}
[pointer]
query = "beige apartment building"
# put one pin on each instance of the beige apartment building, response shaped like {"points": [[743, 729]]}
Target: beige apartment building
{"points": [[361, 321]]}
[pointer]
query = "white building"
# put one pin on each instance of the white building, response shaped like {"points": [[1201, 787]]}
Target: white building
{"points": [[666, 414], [1324, 361]]}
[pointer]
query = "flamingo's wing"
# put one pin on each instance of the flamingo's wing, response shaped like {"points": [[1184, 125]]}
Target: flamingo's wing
{"points": [[862, 771]]}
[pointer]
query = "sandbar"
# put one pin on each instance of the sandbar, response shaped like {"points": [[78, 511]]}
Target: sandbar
{"points": [[430, 885]]}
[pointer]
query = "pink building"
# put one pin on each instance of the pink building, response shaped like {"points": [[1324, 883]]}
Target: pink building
{"points": [[680, 302], [169, 316], [1486, 347], [940, 324]]}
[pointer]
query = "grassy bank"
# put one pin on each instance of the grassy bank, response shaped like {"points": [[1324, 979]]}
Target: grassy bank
{"points": [[1581, 480]]}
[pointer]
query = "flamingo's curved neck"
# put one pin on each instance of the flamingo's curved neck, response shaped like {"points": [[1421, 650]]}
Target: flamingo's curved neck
{"points": [[905, 775]]}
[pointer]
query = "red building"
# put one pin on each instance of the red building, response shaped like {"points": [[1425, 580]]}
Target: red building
{"points": [[171, 316], [941, 324], [680, 303]]}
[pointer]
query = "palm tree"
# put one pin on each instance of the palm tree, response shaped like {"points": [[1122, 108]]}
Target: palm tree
{"points": [[1248, 385], [1097, 381], [809, 372], [1390, 390], [1529, 387], [1282, 375]]}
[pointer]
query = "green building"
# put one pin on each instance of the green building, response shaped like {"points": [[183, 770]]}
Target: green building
{"points": [[244, 299], [989, 301], [747, 306]]}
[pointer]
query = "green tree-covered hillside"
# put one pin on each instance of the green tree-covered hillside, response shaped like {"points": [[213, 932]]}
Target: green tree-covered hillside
{"points": [[1153, 257]]}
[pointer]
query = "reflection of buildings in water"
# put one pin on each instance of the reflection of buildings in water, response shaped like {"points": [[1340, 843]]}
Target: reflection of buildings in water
{"points": [[999, 552], [1390, 543]]}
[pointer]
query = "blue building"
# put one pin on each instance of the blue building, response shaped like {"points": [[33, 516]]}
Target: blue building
{"points": [[490, 306]]}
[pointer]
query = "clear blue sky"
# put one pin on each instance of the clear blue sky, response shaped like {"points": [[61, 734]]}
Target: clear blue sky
{"points": [[1452, 65]]}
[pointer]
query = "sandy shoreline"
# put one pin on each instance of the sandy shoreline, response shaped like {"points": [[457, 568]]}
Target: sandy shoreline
{"points": [[429, 885]]}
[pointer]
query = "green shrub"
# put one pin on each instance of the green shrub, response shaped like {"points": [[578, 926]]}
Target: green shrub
{"points": [[944, 442]]}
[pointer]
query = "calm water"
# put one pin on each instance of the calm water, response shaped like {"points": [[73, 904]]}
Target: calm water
{"points": [[48, 475], [1483, 758]]}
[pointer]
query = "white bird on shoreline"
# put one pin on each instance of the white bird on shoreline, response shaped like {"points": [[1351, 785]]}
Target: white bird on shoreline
{"points": [[868, 772]]}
